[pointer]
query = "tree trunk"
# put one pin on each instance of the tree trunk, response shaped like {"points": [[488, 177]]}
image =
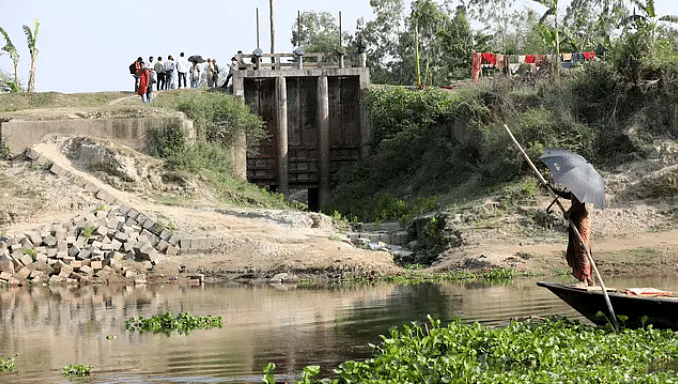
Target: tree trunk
{"points": [[16, 74], [416, 53], [31, 77]]}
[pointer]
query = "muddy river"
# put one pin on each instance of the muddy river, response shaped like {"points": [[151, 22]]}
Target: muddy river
{"points": [[50, 328]]}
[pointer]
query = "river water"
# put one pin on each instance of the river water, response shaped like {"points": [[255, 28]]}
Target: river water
{"points": [[292, 326]]}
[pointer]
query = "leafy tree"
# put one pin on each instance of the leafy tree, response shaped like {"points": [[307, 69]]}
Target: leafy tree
{"points": [[498, 17], [31, 38], [7, 85], [13, 55], [647, 20], [635, 53], [591, 24], [458, 43], [383, 37], [446, 44], [524, 38], [316, 32]]}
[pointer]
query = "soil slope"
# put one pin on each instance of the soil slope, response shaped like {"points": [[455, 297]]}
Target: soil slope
{"points": [[260, 242], [634, 235]]}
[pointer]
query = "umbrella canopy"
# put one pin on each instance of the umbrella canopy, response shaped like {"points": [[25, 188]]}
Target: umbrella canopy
{"points": [[196, 59], [574, 172]]}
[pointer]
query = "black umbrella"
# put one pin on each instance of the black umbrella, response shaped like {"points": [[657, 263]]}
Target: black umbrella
{"points": [[574, 172], [196, 59]]}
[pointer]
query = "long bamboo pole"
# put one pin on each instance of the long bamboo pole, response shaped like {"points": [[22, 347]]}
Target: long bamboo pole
{"points": [[573, 226]]}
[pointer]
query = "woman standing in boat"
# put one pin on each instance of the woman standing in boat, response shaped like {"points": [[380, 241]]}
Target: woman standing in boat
{"points": [[576, 255]]}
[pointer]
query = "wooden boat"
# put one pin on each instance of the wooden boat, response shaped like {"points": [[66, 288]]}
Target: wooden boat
{"points": [[661, 309]]}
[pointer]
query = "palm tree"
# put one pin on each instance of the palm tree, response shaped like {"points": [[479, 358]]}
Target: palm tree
{"points": [[31, 39], [648, 20], [13, 54]]}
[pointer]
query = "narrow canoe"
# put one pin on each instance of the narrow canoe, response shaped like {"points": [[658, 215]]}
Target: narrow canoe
{"points": [[661, 311]]}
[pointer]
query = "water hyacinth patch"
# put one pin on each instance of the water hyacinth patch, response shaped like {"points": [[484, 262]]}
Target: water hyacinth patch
{"points": [[77, 370], [7, 365], [166, 323], [557, 350]]}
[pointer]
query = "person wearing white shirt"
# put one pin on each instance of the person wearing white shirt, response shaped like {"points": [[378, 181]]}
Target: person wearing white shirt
{"points": [[169, 73], [182, 69], [153, 78], [195, 75]]}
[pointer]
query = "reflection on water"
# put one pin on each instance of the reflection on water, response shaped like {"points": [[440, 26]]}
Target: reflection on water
{"points": [[54, 327]]}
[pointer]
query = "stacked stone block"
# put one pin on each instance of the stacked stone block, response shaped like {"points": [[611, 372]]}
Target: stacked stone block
{"points": [[95, 246], [90, 247]]}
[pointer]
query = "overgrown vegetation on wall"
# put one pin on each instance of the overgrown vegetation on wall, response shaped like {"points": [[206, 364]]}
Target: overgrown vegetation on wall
{"points": [[219, 118], [452, 146]]}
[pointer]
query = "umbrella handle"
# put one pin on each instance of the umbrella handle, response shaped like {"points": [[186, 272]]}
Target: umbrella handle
{"points": [[551, 205], [573, 226]]}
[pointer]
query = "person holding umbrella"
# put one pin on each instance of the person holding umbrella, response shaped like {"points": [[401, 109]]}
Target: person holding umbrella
{"points": [[576, 255], [195, 75], [585, 185], [195, 70]]}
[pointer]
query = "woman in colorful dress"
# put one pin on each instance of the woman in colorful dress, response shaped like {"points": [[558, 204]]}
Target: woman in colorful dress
{"points": [[144, 81], [576, 255]]}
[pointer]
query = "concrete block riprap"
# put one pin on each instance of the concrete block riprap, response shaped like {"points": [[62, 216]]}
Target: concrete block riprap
{"points": [[101, 241], [162, 246], [50, 241], [22, 274], [55, 169], [165, 235], [26, 259]]}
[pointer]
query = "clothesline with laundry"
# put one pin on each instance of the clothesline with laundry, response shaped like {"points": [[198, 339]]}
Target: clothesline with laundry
{"points": [[512, 63]]}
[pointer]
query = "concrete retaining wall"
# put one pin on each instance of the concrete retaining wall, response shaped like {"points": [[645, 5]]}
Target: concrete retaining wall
{"points": [[132, 132]]}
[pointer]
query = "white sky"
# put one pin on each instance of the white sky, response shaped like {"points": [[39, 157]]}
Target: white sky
{"points": [[87, 45]]}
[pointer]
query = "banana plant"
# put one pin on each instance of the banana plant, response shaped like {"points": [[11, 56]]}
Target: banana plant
{"points": [[553, 36], [31, 38], [13, 55]]}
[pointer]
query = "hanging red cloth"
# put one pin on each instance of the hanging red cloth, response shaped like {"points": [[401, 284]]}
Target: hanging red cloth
{"points": [[529, 58], [490, 58], [475, 65], [589, 55]]}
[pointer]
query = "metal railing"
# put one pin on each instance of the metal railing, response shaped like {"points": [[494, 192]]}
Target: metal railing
{"points": [[291, 60]]}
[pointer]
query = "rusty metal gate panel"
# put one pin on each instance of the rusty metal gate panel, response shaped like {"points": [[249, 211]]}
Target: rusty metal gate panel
{"points": [[262, 167], [344, 118], [302, 127]]}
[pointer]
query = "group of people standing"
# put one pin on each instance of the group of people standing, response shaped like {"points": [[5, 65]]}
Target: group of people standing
{"points": [[166, 72]]}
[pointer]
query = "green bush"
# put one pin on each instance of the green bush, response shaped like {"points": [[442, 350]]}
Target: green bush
{"points": [[220, 117]]}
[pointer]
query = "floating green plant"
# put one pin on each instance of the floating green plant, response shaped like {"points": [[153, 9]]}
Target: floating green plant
{"points": [[7, 365], [166, 323], [77, 370], [556, 350]]}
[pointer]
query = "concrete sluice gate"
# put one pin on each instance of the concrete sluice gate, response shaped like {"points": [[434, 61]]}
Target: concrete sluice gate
{"points": [[315, 124]]}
